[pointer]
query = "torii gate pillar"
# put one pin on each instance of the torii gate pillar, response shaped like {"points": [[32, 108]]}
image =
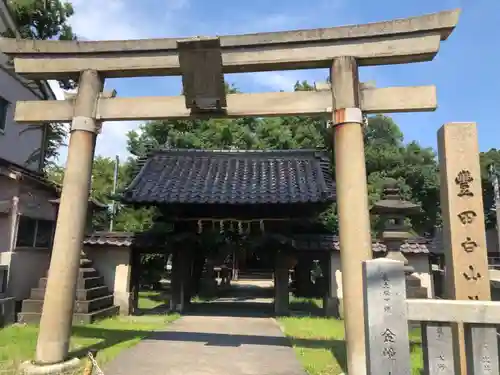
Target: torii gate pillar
{"points": [[55, 325], [352, 204]]}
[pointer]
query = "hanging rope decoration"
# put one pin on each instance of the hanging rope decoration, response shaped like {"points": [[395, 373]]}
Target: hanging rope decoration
{"points": [[232, 225]]}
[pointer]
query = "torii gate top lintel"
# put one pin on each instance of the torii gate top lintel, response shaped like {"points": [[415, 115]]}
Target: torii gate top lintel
{"points": [[398, 41], [202, 62], [444, 22]]}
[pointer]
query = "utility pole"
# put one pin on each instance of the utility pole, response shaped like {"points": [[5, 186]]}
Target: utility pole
{"points": [[496, 194], [113, 203]]}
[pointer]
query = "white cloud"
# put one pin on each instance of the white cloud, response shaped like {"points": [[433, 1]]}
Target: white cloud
{"points": [[107, 20], [276, 81], [285, 80], [101, 20], [177, 4], [113, 138]]}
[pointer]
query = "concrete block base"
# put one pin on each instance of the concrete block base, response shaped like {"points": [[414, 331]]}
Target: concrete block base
{"points": [[331, 307], [67, 367]]}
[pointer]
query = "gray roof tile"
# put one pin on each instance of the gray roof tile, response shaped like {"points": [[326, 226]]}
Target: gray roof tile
{"points": [[233, 177]]}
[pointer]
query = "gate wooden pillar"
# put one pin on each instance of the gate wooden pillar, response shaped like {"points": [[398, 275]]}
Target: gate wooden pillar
{"points": [[57, 314], [281, 289], [352, 204]]}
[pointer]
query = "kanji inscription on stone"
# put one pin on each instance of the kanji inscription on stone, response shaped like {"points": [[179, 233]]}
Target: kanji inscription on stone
{"points": [[464, 234], [469, 245], [481, 350], [463, 180], [467, 217], [471, 274], [386, 324], [437, 347]]}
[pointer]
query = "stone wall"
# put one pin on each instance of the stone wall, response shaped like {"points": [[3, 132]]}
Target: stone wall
{"points": [[26, 267]]}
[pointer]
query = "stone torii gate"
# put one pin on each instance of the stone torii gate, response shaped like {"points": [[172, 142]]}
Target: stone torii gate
{"points": [[202, 63]]}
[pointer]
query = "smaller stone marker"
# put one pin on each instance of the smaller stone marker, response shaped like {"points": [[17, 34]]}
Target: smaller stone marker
{"points": [[437, 346], [386, 323], [481, 350]]}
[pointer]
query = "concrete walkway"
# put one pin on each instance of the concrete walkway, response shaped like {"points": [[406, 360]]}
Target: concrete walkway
{"points": [[206, 345]]}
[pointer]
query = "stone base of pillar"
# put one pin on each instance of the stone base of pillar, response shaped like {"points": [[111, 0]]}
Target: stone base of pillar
{"points": [[331, 307], [30, 368], [125, 301]]}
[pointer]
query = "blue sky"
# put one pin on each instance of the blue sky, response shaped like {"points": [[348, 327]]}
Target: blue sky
{"points": [[464, 71]]}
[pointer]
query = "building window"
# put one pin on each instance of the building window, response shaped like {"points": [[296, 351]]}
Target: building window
{"points": [[4, 106], [35, 233]]}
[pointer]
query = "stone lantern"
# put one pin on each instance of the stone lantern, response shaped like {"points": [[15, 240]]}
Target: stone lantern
{"points": [[394, 210]]}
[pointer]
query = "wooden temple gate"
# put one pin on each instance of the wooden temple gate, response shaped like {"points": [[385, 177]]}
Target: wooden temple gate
{"points": [[202, 63]]}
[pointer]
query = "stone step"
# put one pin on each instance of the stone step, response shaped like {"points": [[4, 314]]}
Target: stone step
{"points": [[88, 272], [82, 283], [81, 295], [81, 307], [84, 272], [84, 262], [92, 293], [255, 276], [413, 281], [34, 318]]}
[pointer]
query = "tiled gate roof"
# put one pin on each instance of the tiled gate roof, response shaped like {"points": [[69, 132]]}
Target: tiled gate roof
{"points": [[233, 177]]}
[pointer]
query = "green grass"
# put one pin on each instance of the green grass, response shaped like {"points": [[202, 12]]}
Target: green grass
{"points": [[149, 300], [109, 336], [319, 342]]}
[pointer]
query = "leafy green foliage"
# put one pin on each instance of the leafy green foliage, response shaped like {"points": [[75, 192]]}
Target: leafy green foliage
{"points": [[387, 156], [126, 218], [487, 158], [42, 20], [414, 167]]}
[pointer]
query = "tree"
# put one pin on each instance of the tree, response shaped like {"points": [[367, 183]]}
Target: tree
{"points": [[486, 159], [387, 156], [241, 133], [44, 19], [126, 219]]}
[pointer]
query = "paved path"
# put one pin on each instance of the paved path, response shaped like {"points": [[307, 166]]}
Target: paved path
{"points": [[206, 345]]}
